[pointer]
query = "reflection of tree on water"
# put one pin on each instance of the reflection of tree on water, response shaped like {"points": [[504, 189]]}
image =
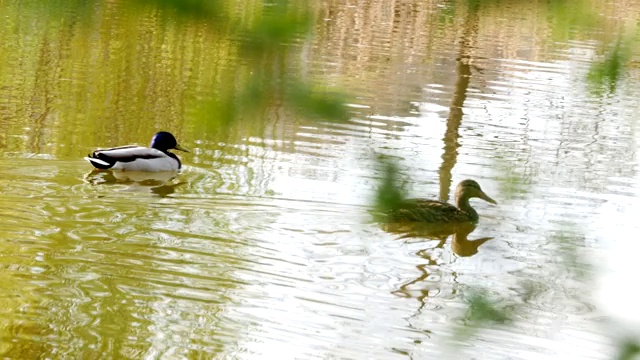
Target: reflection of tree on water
{"points": [[454, 120], [159, 183]]}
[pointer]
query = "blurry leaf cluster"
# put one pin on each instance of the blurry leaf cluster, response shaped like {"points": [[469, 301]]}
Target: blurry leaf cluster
{"points": [[266, 76], [629, 350], [565, 245], [390, 192], [482, 309], [278, 26], [189, 9], [266, 39], [605, 74]]}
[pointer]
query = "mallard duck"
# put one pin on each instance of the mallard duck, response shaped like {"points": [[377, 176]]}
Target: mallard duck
{"points": [[156, 157], [432, 211]]}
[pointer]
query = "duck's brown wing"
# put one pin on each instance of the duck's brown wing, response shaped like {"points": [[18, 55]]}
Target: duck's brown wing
{"points": [[423, 210]]}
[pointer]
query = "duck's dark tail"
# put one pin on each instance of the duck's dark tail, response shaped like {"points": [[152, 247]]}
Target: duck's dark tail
{"points": [[98, 163]]}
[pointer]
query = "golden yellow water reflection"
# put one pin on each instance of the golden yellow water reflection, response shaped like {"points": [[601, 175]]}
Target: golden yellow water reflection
{"points": [[263, 245]]}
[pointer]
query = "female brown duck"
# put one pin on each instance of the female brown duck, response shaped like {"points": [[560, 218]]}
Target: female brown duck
{"points": [[431, 211]]}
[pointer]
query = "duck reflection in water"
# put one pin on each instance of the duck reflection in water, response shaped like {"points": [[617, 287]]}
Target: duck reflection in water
{"points": [[460, 244], [159, 183], [424, 286]]}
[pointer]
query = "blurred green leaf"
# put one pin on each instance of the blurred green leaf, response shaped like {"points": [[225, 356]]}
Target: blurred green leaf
{"points": [[629, 350], [605, 74], [568, 244], [483, 310], [217, 114], [317, 104], [266, 79], [390, 193], [190, 9], [567, 16], [274, 30]]}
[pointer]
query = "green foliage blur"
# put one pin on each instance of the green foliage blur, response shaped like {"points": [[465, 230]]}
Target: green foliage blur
{"points": [[267, 77], [629, 350], [482, 309], [605, 74], [191, 9], [390, 192], [267, 40]]}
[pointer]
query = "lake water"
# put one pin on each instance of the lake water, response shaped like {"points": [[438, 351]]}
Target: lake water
{"points": [[264, 245]]}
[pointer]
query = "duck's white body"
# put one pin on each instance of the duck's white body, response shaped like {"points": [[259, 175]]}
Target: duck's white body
{"points": [[138, 158]]}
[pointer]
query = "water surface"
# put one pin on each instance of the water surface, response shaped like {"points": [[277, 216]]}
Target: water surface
{"points": [[264, 246]]}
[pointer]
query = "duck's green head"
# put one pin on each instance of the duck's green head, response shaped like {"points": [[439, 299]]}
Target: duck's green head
{"points": [[164, 141]]}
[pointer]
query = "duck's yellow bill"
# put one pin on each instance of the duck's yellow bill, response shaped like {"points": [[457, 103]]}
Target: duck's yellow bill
{"points": [[181, 148]]}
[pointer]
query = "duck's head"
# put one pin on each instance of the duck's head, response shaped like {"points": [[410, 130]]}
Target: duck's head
{"points": [[164, 141], [470, 189]]}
